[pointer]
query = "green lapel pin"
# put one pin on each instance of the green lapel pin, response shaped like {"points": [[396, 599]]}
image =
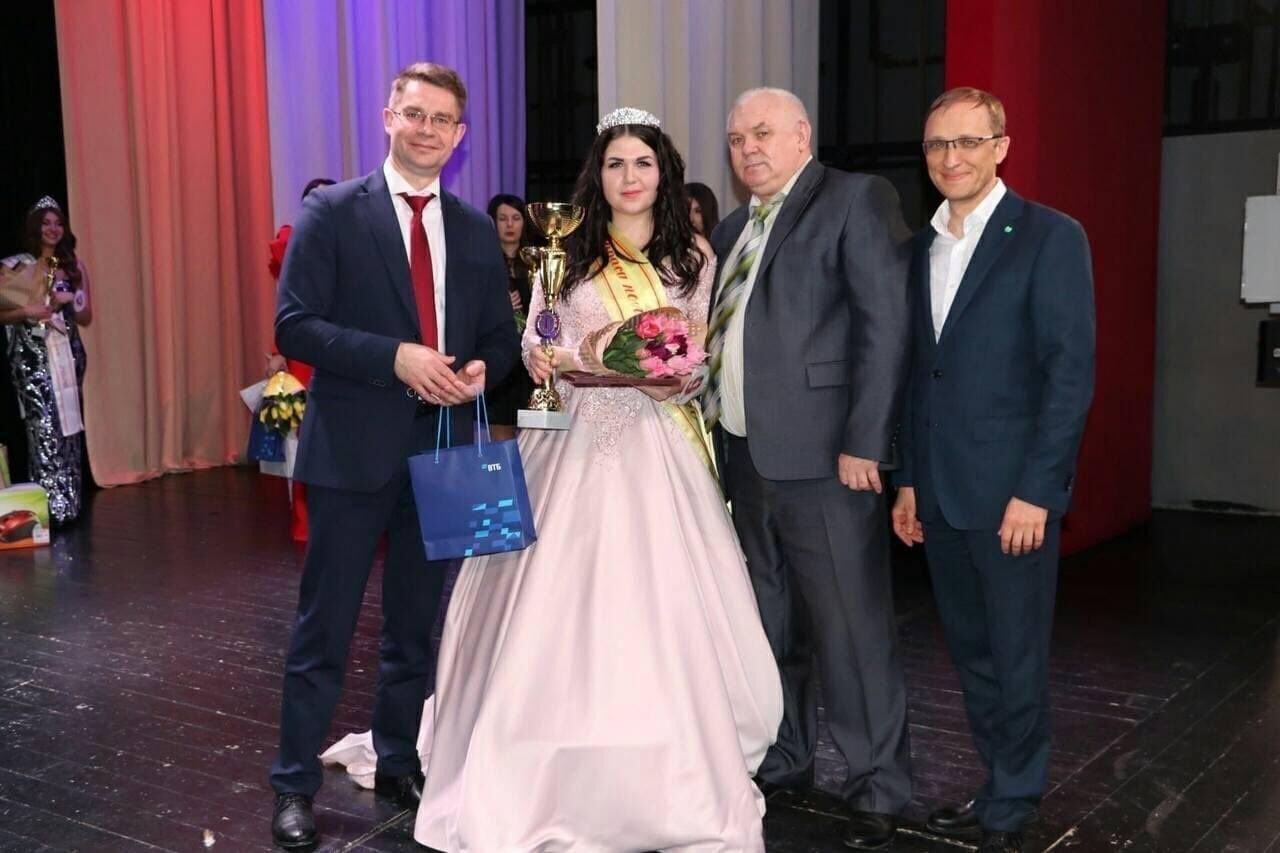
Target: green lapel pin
{"points": [[1008, 229]]}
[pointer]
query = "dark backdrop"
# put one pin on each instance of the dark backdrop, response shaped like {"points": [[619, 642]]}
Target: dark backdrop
{"points": [[34, 161]]}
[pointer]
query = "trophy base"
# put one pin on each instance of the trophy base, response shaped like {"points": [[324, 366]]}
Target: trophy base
{"points": [[540, 419]]}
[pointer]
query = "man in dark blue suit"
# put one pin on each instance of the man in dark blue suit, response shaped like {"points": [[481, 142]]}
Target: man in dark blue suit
{"points": [[1001, 379], [397, 292]]}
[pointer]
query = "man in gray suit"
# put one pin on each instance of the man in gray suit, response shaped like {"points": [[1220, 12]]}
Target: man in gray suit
{"points": [[808, 345]]}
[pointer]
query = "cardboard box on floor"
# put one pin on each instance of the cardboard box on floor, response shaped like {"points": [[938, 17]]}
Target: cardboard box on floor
{"points": [[24, 516]]}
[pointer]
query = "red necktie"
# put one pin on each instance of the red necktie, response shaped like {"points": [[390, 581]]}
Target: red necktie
{"points": [[424, 279]]}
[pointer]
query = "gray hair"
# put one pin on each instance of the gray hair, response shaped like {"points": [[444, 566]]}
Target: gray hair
{"points": [[785, 94]]}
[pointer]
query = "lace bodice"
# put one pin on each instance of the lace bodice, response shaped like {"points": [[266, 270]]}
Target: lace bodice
{"points": [[608, 411]]}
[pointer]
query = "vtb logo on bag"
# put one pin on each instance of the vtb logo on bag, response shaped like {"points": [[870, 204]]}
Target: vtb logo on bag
{"points": [[491, 467]]}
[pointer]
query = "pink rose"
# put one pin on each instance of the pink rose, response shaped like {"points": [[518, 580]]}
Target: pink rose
{"points": [[674, 326], [648, 327], [679, 365], [655, 368]]}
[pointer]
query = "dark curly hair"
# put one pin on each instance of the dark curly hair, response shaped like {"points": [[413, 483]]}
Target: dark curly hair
{"points": [[65, 251], [672, 248]]}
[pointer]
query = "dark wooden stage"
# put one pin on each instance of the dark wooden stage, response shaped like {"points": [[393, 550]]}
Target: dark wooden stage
{"points": [[140, 666]]}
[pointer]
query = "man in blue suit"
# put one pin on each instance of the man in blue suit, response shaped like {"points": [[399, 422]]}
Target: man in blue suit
{"points": [[1000, 383], [397, 292]]}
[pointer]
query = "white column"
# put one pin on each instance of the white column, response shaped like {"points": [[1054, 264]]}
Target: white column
{"points": [[686, 61]]}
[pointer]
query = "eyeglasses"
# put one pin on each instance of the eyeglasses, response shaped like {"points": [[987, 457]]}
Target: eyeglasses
{"points": [[417, 118], [933, 147]]}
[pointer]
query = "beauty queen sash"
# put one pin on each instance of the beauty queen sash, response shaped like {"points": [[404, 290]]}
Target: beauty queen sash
{"points": [[62, 375], [628, 285]]}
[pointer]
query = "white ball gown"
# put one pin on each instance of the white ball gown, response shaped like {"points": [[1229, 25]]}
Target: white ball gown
{"points": [[611, 687]]}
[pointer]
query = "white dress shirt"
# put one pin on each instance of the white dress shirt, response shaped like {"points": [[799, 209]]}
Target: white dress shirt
{"points": [[949, 256], [433, 220], [733, 406]]}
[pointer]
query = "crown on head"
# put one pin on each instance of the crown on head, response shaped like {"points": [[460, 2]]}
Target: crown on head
{"points": [[627, 115], [47, 203]]}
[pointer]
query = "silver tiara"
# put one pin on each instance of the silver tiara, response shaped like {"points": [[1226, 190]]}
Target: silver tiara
{"points": [[627, 115], [47, 203]]}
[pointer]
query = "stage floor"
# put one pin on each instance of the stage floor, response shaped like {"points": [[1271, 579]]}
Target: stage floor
{"points": [[141, 656]]}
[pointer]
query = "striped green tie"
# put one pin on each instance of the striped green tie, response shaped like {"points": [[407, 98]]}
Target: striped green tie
{"points": [[730, 295]]}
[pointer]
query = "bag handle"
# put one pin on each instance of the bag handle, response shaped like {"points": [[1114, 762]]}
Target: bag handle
{"points": [[444, 426], [482, 418]]}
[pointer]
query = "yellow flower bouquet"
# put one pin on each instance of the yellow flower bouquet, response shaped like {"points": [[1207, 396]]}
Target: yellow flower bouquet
{"points": [[284, 401]]}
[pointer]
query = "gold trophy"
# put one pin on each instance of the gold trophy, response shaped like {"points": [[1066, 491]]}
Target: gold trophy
{"points": [[547, 265], [50, 279]]}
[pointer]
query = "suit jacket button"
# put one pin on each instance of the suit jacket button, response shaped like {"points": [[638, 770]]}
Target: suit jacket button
{"points": [[937, 374]]}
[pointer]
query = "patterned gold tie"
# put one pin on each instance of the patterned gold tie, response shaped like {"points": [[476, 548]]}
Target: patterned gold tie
{"points": [[730, 295]]}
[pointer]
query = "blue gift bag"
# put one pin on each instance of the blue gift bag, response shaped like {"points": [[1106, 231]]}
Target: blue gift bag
{"points": [[471, 500], [265, 445]]}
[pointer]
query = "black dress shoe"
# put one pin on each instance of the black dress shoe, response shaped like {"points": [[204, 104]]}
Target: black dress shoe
{"points": [[870, 830], [1001, 842], [404, 791], [956, 821], [293, 826]]}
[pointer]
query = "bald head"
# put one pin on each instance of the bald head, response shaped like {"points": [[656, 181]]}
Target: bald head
{"points": [[769, 139]]}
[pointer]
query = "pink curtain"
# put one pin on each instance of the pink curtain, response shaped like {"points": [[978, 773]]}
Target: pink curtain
{"points": [[169, 184]]}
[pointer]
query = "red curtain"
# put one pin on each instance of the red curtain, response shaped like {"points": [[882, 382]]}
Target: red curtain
{"points": [[169, 184], [1083, 85]]}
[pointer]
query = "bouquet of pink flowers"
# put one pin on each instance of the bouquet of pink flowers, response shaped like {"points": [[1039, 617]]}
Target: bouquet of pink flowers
{"points": [[657, 344]]}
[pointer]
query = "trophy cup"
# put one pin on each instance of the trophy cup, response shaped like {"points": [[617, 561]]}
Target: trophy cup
{"points": [[50, 278], [547, 265]]}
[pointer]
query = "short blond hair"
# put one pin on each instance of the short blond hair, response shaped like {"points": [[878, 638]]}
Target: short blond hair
{"points": [[431, 73], [976, 97], [786, 95]]}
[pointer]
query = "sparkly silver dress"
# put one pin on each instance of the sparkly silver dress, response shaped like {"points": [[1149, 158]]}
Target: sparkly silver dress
{"points": [[54, 458]]}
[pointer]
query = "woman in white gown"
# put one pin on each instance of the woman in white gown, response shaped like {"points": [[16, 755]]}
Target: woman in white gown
{"points": [[611, 687]]}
